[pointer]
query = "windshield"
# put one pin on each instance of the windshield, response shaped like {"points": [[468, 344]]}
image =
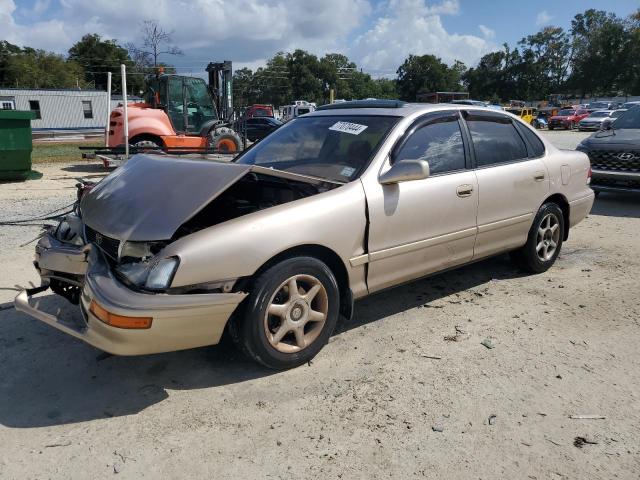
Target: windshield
{"points": [[629, 119], [335, 148], [598, 105], [566, 113], [599, 114]]}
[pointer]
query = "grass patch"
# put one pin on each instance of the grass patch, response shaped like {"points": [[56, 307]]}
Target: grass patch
{"points": [[60, 152]]}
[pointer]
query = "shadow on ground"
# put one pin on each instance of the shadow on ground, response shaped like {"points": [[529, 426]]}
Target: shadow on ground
{"points": [[49, 378], [622, 204], [87, 167]]}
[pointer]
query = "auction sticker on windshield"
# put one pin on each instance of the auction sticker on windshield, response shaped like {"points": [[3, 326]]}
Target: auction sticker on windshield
{"points": [[348, 127]]}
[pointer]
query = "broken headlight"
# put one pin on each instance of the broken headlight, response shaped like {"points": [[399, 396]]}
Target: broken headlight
{"points": [[161, 273], [153, 275]]}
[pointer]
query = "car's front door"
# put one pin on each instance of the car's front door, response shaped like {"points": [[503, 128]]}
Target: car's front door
{"points": [[421, 226], [512, 180]]}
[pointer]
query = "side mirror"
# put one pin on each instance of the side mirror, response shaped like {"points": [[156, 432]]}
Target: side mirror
{"points": [[404, 171], [606, 124]]}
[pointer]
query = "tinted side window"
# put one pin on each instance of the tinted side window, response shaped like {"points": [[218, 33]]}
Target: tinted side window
{"points": [[495, 140], [537, 147], [438, 143]]}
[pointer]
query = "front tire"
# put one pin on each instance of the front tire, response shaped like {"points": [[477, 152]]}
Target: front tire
{"points": [[225, 140], [290, 313], [543, 242]]}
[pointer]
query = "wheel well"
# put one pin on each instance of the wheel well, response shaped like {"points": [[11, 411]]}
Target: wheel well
{"points": [[331, 259], [146, 136], [562, 202]]}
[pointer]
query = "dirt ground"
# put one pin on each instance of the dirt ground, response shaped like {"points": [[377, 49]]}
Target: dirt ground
{"points": [[404, 390]]}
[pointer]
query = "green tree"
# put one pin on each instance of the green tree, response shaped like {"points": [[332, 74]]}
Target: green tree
{"points": [[98, 56], [548, 53], [600, 43], [426, 73], [7, 51], [630, 76], [304, 70], [39, 69], [243, 94]]}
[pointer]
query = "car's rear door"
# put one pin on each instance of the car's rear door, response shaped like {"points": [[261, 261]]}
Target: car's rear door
{"points": [[512, 180], [421, 226]]}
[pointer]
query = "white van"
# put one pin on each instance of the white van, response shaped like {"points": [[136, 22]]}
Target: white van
{"points": [[299, 107]]}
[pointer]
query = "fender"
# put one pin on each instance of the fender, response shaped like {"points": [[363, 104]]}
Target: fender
{"points": [[151, 122]]}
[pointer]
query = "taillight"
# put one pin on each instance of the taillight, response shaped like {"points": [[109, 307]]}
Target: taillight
{"points": [[589, 173]]}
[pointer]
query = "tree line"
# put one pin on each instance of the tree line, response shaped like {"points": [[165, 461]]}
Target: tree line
{"points": [[598, 55]]}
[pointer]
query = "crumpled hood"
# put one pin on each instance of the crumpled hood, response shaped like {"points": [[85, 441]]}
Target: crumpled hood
{"points": [[150, 196]]}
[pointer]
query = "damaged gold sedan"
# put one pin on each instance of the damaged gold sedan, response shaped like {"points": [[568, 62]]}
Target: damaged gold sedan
{"points": [[167, 254]]}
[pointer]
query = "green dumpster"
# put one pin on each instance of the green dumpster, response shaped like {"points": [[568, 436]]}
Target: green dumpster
{"points": [[15, 144]]}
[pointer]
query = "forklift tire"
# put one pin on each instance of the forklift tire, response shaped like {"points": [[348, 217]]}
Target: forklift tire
{"points": [[147, 144], [225, 140]]}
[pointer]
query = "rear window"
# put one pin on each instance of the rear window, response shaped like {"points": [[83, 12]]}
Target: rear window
{"points": [[535, 144], [495, 139]]}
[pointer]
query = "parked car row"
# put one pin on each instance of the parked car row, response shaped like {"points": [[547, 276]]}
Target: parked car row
{"points": [[595, 120]]}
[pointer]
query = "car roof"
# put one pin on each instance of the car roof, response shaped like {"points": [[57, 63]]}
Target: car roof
{"points": [[393, 108]]}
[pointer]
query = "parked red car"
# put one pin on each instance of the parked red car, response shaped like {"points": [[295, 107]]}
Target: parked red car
{"points": [[567, 118], [258, 111]]}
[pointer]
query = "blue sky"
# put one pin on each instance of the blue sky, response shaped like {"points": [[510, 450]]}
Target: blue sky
{"points": [[376, 34], [512, 20]]}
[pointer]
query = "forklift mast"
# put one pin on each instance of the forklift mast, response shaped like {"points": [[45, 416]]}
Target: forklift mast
{"points": [[221, 85]]}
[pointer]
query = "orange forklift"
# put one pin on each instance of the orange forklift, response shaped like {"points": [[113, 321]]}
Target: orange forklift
{"points": [[181, 113]]}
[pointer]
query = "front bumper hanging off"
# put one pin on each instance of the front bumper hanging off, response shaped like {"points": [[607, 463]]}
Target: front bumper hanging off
{"points": [[178, 321]]}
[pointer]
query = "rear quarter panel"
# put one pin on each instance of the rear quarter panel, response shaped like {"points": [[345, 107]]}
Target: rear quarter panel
{"points": [[568, 172]]}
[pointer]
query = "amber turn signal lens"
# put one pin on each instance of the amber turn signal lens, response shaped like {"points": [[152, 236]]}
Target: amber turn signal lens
{"points": [[119, 321]]}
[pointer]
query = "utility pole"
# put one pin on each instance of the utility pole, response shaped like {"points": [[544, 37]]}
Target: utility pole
{"points": [[106, 125], [123, 74]]}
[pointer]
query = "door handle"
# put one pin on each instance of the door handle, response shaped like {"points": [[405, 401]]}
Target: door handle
{"points": [[538, 176], [464, 190]]}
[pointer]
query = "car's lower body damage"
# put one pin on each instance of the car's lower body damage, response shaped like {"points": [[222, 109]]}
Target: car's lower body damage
{"points": [[121, 315], [116, 318]]}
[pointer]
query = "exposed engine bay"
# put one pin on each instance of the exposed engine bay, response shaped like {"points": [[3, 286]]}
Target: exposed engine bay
{"points": [[120, 223], [253, 192]]}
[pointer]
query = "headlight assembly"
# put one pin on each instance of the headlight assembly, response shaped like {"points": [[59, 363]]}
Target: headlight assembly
{"points": [[153, 275], [161, 274]]}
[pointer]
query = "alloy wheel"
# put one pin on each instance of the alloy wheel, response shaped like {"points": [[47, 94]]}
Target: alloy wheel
{"points": [[548, 237], [296, 314]]}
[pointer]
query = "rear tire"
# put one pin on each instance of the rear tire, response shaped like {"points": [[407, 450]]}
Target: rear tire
{"points": [[543, 242], [144, 144], [225, 140], [281, 329]]}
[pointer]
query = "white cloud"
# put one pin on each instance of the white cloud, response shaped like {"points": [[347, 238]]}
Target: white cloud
{"points": [[487, 32], [251, 31], [543, 18], [50, 35], [413, 27]]}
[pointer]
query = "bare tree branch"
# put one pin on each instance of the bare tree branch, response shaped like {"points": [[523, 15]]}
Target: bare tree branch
{"points": [[154, 38]]}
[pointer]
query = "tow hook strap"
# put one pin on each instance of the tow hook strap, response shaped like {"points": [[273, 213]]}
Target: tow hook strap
{"points": [[35, 290]]}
